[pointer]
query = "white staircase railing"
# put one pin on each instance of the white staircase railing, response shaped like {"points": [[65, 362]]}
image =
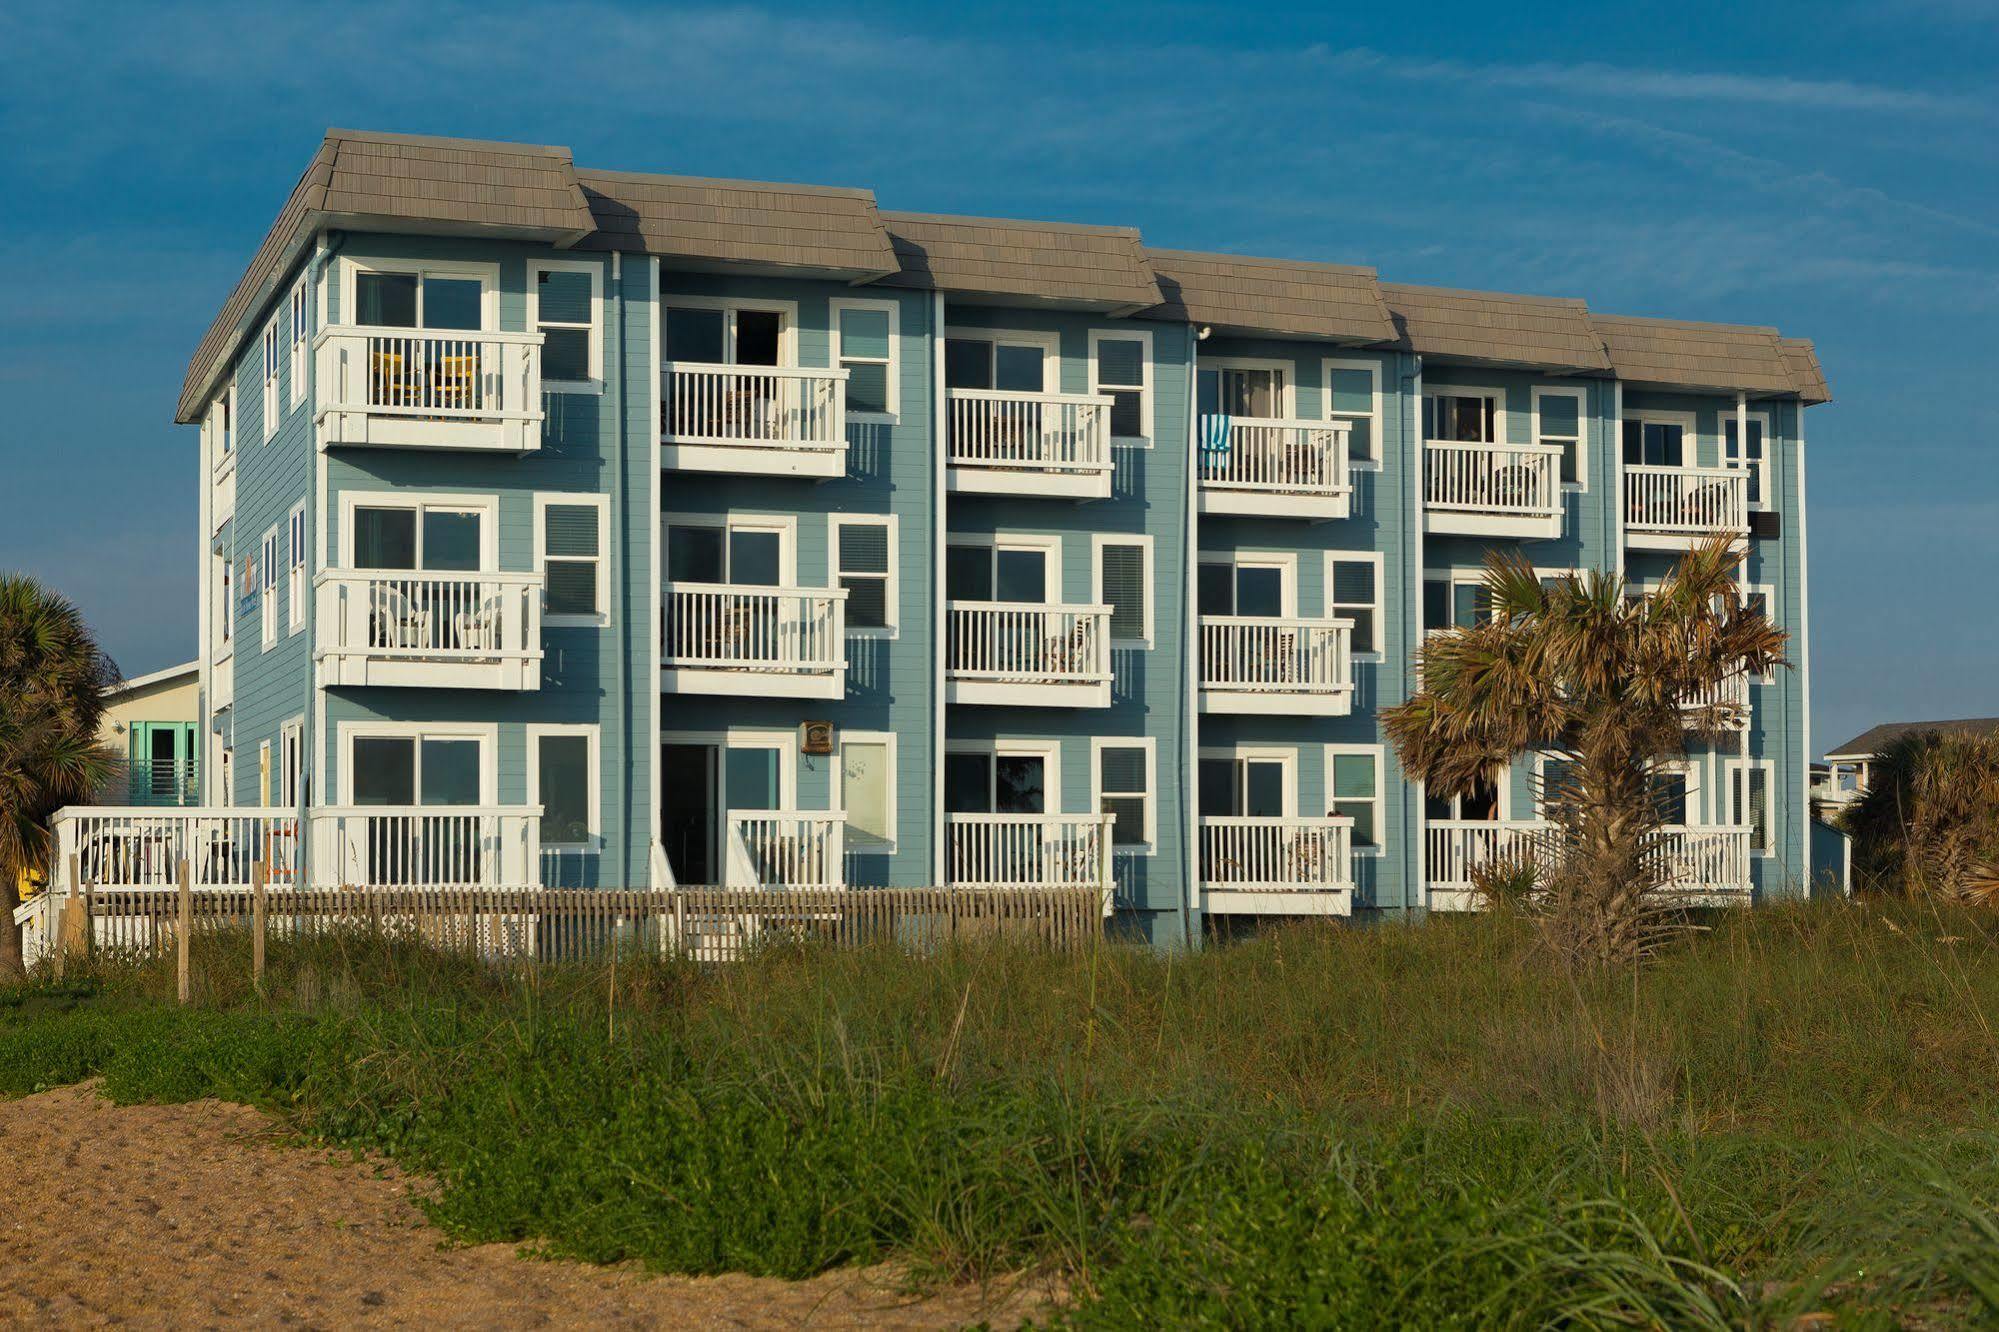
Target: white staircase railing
{"points": [[787, 848]]}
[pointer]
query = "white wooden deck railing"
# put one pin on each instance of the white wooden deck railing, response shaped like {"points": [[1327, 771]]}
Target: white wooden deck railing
{"points": [[1046, 432], [1689, 501], [1714, 858], [1504, 479], [1732, 692], [1020, 643], [1245, 854], [1276, 655], [424, 846], [1454, 848], [417, 615], [1029, 850], [731, 626], [470, 376], [1274, 456], [755, 406], [1699, 858], [787, 848], [142, 847]]}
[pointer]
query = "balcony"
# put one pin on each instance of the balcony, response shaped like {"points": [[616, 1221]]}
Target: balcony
{"points": [[1276, 666], [763, 642], [1274, 468], [160, 782], [1026, 655], [753, 420], [1708, 863], [1673, 508], [1732, 693], [1704, 863], [1034, 444], [405, 388], [1029, 851], [426, 846], [1502, 490], [429, 630], [1277, 866], [786, 848]]}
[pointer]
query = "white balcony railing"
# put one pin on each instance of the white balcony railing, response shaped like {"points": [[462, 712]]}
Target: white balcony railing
{"points": [[795, 631], [787, 848], [1290, 854], [417, 627], [762, 407], [1711, 858], [426, 846], [1027, 443], [1453, 849], [426, 388], [1246, 462], [1029, 851], [1732, 692], [1004, 642], [143, 846], [1247, 657], [1498, 480], [1685, 501]]}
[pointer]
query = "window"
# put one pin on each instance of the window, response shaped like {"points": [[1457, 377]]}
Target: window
{"points": [[565, 780], [417, 764], [267, 585], [569, 538], [1124, 777], [439, 533], [297, 321], [1455, 603], [1003, 568], [565, 305], [271, 345], [1353, 395], [752, 550], [1756, 460], [295, 567], [1353, 592], [291, 754], [867, 788], [718, 332], [1461, 416], [1123, 584], [225, 766], [864, 345], [864, 564], [1010, 778], [1755, 811], [1353, 788], [1558, 423], [1656, 441], [429, 295], [227, 405], [1006, 362], [1247, 587], [1121, 369], [1253, 784], [1249, 389], [225, 603]]}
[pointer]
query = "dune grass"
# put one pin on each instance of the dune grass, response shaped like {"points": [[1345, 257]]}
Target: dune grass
{"points": [[1794, 1110]]}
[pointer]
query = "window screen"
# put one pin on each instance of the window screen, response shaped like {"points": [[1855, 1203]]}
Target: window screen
{"points": [[571, 552], [1123, 589]]}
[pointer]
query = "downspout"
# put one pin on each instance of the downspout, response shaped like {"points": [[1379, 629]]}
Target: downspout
{"points": [[1416, 832], [1742, 590], [1805, 657], [1190, 855], [622, 525], [311, 762], [940, 624]]}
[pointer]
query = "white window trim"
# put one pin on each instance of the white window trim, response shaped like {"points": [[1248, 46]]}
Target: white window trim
{"points": [[351, 267], [784, 742], [784, 524], [291, 761], [486, 733], [1379, 753], [605, 548], [299, 325], [488, 507], [1502, 785], [787, 324], [834, 308], [1372, 415], [886, 739], [1763, 468], [590, 731], [265, 772], [1288, 407], [1142, 540], [1581, 483], [594, 382], [267, 585], [1332, 610], [273, 406], [1733, 818], [1690, 444], [892, 588], [1149, 844], [1048, 751], [1049, 343], [1049, 543], [296, 569], [1147, 386], [1284, 755], [1457, 577], [1285, 562], [1499, 413]]}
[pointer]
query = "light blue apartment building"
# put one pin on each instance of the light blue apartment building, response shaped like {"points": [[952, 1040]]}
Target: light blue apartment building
{"points": [[590, 528]]}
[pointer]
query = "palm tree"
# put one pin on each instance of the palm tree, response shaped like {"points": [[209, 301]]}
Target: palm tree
{"points": [[1929, 822], [1583, 665], [52, 682]]}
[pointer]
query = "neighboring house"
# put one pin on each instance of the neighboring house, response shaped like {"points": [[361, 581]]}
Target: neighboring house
{"points": [[153, 721], [719, 531], [1850, 767]]}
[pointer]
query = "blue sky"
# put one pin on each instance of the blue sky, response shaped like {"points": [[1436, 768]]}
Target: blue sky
{"points": [[1825, 167]]}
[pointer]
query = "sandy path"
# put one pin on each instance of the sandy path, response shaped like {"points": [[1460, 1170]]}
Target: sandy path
{"points": [[194, 1216]]}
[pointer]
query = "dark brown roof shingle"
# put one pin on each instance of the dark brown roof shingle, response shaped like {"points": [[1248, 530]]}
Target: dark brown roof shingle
{"points": [[738, 221], [1057, 262], [1287, 297], [1545, 332], [1877, 738]]}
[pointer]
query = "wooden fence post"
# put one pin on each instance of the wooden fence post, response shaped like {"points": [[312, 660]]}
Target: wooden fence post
{"points": [[259, 873], [186, 922]]}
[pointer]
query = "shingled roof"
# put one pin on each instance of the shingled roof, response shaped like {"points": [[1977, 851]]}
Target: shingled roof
{"points": [[1803, 361], [1544, 332], [1681, 354], [1877, 738], [700, 221], [1288, 297], [407, 182], [1058, 263]]}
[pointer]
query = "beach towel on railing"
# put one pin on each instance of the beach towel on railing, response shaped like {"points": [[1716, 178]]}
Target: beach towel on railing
{"points": [[1215, 441]]}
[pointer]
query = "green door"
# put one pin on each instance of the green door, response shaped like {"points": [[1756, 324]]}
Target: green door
{"points": [[160, 763]]}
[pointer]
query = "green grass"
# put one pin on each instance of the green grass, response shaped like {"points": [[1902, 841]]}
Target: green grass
{"points": [[1796, 1110]]}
